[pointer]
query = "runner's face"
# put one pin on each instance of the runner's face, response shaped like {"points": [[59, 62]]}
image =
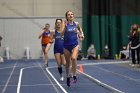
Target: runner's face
{"points": [[47, 27], [58, 23], [70, 16]]}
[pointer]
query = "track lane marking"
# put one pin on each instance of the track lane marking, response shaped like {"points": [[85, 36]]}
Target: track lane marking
{"points": [[20, 77], [63, 89], [124, 76], [114, 90], [7, 82], [48, 78]]}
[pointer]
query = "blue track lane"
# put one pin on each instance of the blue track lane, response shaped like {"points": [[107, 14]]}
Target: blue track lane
{"points": [[35, 79], [124, 79]]}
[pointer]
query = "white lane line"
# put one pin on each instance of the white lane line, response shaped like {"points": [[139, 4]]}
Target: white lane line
{"points": [[39, 85], [7, 67], [104, 63], [21, 71], [102, 84], [19, 81], [20, 77], [114, 90], [124, 76], [32, 85], [42, 85], [56, 81], [99, 82], [57, 91], [7, 82], [100, 63], [12, 67]]}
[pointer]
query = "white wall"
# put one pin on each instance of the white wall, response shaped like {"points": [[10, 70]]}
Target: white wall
{"points": [[21, 21], [19, 33], [48, 8]]}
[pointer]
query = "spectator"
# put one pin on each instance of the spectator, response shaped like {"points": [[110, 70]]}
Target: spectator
{"points": [[91, 52], [1, 59], [105, 52], [124, 52], [135, 44], [0, 40], [80, 54]]}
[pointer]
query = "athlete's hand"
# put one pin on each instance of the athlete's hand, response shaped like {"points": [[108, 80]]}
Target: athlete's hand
{"points": [[81, 37], [65, 22]]}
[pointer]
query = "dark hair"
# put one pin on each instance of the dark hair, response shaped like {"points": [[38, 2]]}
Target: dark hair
{"points": [[47, 24], [133, 26], [57, 20]]}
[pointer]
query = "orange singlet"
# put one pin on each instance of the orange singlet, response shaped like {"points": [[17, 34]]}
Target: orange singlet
{"points": [[46, 38]]}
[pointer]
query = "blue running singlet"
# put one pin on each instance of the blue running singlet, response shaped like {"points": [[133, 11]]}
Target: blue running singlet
{"points": [[59, 41], [70, 37]]}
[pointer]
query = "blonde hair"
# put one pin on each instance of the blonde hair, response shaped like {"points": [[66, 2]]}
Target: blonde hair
{"points": [[66, 14]]}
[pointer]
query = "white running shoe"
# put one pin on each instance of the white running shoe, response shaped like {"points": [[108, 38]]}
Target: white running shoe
{"points": [[62, 78], [45, 66], [71, 76]]}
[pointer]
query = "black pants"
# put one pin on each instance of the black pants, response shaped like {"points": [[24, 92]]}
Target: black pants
{"points": [[133, 52], [90, 57]]}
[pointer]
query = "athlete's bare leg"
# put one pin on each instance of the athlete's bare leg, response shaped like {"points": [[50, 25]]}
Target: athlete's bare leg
{"points": [[74, 60], [58, 59], [63, 60], [68, 61], [46, 50]]}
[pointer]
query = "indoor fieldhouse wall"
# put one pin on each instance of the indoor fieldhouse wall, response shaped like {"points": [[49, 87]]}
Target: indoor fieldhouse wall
{"points": [[19, 33], [48, 8], [21, 21]]}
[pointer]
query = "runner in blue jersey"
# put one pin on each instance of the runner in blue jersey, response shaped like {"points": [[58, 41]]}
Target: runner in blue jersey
{"points": [[58, 47], [70, 30]]}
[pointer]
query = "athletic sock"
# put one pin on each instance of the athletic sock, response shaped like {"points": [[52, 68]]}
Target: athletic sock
{"points": [[74, 77], [60, 70], [68, 81]]}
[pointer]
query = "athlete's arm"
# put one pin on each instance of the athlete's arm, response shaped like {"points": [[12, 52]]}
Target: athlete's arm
{"points": [[62, 30], [40, 34], [80, 30], [52, 35]]}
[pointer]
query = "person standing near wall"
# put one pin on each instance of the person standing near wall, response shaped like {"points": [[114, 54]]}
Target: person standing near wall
{"points": [[70, 30], [58, 47], [46, 40], [0, 40], [1, 59], [135, 44]]}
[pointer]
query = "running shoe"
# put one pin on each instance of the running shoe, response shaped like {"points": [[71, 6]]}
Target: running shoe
{"points": [[62, 78], [74, 79], [71, 76], [45, 65]]}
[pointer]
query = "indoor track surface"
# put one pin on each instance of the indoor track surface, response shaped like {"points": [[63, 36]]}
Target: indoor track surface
{"points": [[98, 76]]}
